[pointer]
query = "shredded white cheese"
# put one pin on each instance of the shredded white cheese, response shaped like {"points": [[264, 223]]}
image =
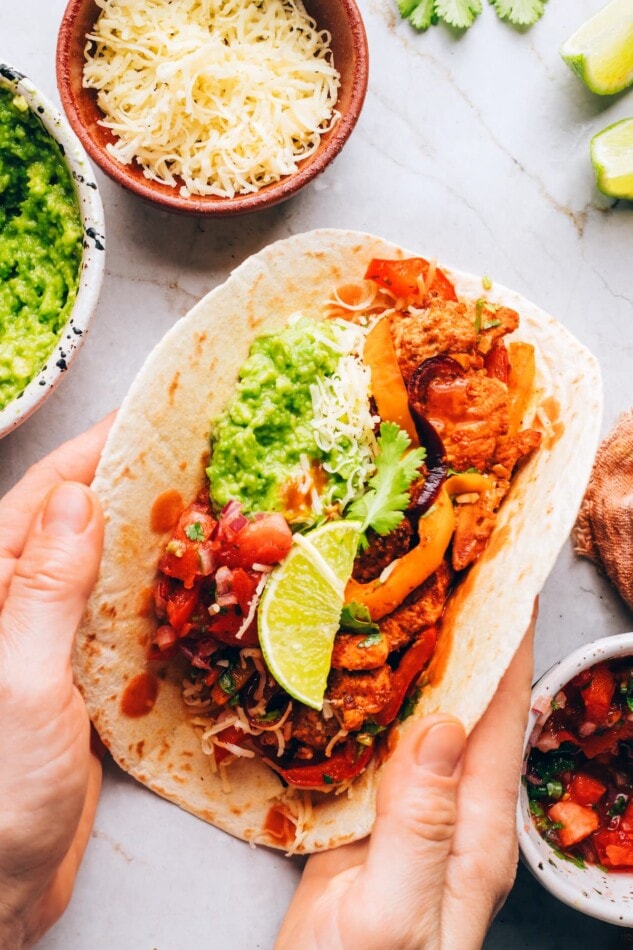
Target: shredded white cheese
{"points": [[226, 95]]}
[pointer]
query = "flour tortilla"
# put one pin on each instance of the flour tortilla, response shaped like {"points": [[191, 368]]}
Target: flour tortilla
{"points": [[159, 443]]}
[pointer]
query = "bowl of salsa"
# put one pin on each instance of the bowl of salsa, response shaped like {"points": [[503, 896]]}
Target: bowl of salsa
{"points": [[51, 247], [575, 810]]}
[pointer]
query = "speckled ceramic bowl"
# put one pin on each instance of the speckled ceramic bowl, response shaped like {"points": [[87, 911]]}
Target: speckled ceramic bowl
{"points": [[349, 47], [607, 896], [92, 259]]}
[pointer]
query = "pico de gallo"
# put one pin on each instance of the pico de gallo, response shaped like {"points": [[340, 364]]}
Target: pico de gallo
{"points": [[441, 373], [579, 775]]}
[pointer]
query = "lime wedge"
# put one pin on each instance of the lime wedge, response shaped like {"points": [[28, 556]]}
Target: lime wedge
{"points": [[301, 607], [612, 158], [601, 51]]}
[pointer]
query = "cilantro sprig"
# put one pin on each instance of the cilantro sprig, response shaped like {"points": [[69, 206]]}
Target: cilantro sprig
{"points": [[383, 504], [461, 14]]}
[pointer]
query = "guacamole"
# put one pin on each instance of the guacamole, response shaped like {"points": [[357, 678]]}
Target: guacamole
{"points": [[40, 245], [265, 437]]}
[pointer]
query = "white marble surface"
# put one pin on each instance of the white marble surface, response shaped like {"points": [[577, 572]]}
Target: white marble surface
{"points": [[473, 149]]}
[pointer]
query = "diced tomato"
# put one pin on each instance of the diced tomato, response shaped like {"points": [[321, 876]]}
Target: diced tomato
{"points": [[267, 540], [586, 790], [577, 821], [244, 586], [497, 364], [189, 554], [402, 279], [224, 627], [606, 741], [410, 667], [597, 695], [346, 762], [181, 604], [614, 848]]}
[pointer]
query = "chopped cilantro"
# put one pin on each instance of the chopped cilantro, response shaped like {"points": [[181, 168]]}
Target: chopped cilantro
{"points": [[194, 531], [619, 806], [227, 682], [371, 641], [409, 705], [356, 617], [372, 728], [458, 13], [491, 324], [383, 504], [364, 739], [328, 779]]}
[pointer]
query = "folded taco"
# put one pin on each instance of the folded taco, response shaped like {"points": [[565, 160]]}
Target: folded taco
{"points": [[331, 496]]}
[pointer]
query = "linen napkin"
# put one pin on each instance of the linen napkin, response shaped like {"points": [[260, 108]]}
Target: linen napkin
{"points": [[604, 528]]}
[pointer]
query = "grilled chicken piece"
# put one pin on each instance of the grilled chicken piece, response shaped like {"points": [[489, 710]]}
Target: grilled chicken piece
{"points": [[382, 550], [359, 695], [309, 727], [348, 654], [470, 414], [422, 608], [504, 321], [444, 327], [473, 526]]}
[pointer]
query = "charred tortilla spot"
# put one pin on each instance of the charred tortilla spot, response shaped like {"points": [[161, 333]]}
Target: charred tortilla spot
{"points": [[173, 386]]}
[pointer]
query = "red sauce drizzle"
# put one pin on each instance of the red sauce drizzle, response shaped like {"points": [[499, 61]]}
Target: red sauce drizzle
{"points": [[280, 826], [139, 695], [166, 511]]}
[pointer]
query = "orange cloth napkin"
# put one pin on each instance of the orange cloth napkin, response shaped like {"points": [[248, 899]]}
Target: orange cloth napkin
{"points": [[604, 528]]}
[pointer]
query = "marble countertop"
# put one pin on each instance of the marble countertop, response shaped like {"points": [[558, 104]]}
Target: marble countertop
{"points": [[473, 149]]}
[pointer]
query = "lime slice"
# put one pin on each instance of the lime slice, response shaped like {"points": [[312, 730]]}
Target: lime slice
{"points": [[612, 157], [601, 51], [301, 607]]}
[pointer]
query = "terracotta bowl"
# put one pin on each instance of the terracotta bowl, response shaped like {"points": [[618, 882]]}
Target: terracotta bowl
{"points": [[607, 895], [349, 46], [92, 259]]}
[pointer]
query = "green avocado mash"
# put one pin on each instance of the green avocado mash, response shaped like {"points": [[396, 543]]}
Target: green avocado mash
{"points": [[258, 442], [40, 245]]}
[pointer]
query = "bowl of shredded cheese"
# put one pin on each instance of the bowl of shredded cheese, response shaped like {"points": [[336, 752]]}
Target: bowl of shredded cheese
{"points": [[212, 107]]}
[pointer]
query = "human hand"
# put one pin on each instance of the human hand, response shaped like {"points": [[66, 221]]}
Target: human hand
{"points": [[51, 533], [442, 856]]}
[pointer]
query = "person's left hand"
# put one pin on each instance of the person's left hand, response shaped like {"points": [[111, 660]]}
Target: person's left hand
{"points": [[51, 532]]}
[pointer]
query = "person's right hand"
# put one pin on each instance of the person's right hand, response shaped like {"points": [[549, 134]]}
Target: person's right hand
{"points": [[442, 856], [51, 530]]}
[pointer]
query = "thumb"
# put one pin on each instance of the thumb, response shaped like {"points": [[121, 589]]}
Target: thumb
{"points": [[52, 581], [415, 823]]}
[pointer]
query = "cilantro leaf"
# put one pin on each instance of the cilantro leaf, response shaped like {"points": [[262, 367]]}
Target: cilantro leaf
{"points": [[519, 12], [356, 617], [382, 505], [458, 13], [423, 15], [194, 531]]}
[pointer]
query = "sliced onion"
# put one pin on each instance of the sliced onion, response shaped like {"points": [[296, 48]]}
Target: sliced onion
{"points": [[223, 581]]}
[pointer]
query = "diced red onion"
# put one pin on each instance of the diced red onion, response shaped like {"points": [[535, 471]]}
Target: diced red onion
{"points": [[223, 581], [226, 600], [587, 729], [165, 636], [205, 556]]}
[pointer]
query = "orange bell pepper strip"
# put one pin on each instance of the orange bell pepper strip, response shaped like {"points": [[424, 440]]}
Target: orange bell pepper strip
{"points": [[521, 374], [467, 482], [435, 531], [387, 384]]}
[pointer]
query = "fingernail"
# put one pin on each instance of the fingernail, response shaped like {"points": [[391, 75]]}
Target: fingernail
{"points": [[68, 510], [440, 749]]}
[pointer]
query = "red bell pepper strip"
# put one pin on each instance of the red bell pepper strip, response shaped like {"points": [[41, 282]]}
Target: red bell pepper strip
{"points": [[345, 763], [598, 694], [497, 363], [402, 279], [411, 665], [231, 735]]}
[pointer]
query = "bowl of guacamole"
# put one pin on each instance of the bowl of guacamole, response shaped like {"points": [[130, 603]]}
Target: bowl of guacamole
{"points": [[52, 247]]}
